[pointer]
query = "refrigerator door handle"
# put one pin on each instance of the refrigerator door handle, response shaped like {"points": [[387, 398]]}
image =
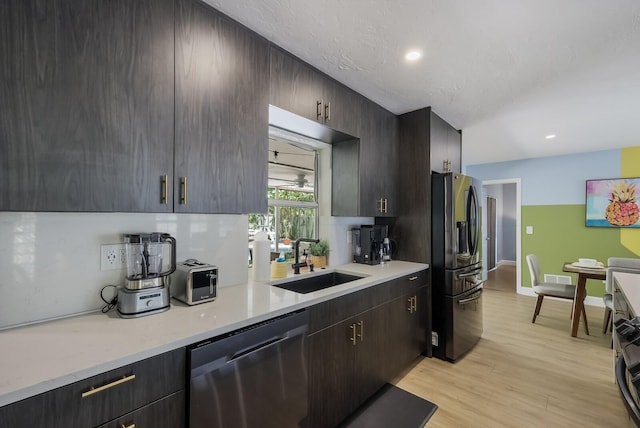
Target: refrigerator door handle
{"points": [[469, 274], [472, 229]]}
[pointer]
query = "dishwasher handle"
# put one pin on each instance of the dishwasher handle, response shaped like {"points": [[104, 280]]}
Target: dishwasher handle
{"points": [[256, 348], [213, 354]]}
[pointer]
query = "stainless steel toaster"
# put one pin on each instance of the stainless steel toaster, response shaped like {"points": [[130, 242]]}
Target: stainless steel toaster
{"points": [[194, 282]]}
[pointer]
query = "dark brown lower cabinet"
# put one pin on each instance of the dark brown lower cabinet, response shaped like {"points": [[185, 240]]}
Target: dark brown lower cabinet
{"points": [[351, 359], [104, 397], [167, 412], [407, 333], [344, 369]]}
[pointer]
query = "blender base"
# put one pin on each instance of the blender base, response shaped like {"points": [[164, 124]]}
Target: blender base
{"points": [[142, 314], [139, 303]]}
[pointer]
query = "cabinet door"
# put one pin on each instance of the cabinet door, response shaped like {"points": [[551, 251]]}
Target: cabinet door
{"points": [[365, 171], [85, 403], [439, 143], [345, 367], [406, 332], [167, 412], [86, 105], [342, 107], [454, 149], [332, 374], [295, 86], [221, 113], [378, 162]]}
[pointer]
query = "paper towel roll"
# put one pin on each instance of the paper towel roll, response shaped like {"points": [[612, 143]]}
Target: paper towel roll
{"points": [[261, 258]]}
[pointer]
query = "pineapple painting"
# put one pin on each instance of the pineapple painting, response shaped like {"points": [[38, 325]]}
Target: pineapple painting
{"points": [[613, 202], [623, 207]]}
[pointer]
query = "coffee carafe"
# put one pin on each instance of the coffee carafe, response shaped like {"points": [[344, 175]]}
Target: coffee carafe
{"points": [[151, 258]]}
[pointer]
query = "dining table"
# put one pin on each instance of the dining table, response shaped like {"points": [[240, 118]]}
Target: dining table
{"points": [[598, 272]]}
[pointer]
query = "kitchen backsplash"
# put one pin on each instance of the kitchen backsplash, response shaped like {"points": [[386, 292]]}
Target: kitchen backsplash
{"points": [[50, 262]]}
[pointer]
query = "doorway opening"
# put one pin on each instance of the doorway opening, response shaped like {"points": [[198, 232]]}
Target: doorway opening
{"points": [[501, 223]]}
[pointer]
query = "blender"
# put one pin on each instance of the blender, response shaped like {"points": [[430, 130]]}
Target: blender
{"points": [[151, 258]]}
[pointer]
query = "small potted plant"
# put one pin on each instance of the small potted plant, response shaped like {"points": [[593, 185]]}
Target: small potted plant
{"points": [[319, 252]]}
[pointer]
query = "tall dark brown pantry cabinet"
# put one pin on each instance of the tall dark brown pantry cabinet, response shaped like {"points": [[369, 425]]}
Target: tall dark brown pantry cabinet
{"points": [[221, 128], [86, 104], [427, 143]]}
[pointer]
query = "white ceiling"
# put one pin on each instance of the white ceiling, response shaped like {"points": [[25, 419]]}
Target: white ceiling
{"points": [[505, 72]]}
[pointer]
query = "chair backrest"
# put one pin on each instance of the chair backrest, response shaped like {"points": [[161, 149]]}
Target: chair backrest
{"points": [[534, 269], [620, 264]]}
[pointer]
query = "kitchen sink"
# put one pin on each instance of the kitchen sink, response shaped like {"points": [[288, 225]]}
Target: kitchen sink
{"points": [[318, 282]]}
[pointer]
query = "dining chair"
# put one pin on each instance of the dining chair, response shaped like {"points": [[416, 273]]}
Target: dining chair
{"points": [[615, 264], [550, 289]]}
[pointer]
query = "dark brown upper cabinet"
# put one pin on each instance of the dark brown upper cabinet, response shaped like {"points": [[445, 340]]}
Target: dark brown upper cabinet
{"points": [[221, 120], [86, 105], [365, 170], [446, 146], [301, 89]]}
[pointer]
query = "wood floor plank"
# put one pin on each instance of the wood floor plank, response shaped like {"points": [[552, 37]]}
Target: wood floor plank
{"points": [[523, 374]]}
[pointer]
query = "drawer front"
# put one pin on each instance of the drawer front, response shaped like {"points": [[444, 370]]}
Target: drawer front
{"points": [[336, 310], [101, 398], [168, 412]]}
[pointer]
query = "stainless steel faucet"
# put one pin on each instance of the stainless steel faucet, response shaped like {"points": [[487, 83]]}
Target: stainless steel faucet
{"points": [[296, 248]]}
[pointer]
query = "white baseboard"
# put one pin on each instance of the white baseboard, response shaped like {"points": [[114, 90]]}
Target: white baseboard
{"points": [[589, 300], [507, 262]]}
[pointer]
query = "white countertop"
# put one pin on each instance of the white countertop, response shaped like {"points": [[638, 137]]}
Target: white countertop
{"points": [[629, 284], [41, 357]]}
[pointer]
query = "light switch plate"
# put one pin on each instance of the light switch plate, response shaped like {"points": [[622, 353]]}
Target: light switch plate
{"points": [[529, 230]]}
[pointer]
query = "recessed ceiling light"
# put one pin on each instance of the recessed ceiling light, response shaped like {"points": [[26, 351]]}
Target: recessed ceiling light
{"points": [[413, 55], [550, 136]]}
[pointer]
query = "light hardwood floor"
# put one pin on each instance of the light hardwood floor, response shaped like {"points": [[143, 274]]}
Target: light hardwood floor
{"points": [[522, 374]]}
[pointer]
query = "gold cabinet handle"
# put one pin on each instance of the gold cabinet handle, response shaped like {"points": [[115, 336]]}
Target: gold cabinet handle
{"points": [[128, 426], [410, 302], [183, 190], [413, 278], [386, 205], [414, 305], [94, 390], [327, 111], [353, 334], [164, 189], [361, 335], [319, 113]]}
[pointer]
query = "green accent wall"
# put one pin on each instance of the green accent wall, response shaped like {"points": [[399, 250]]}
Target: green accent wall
{"points": [[559, 236]]}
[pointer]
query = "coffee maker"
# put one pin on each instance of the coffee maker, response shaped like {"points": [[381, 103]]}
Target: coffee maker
{"points": [[367, 243], [151, 258]]}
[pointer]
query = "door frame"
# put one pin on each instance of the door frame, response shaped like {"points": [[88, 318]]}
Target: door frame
{"points": [[518, 183]]}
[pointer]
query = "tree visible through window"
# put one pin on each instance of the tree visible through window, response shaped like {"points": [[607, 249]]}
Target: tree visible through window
{"points": [[293, 207]]}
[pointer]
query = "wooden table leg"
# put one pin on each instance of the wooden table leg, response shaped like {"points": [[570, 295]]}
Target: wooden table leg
{"points": [[578, 304]]}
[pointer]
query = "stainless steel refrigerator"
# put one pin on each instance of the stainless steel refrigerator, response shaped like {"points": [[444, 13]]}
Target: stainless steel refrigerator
{"points": [[456, 264]]}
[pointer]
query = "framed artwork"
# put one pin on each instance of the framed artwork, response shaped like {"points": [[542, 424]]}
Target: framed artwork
{"points": [[613, 202]]}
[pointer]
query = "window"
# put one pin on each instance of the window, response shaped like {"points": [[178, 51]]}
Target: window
{"points": [[292, 195]]}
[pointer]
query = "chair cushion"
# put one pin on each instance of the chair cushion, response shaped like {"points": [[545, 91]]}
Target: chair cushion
{"points": [[558, 290]]}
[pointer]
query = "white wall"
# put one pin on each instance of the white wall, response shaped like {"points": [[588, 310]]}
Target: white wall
{"points": [[50, 262]]}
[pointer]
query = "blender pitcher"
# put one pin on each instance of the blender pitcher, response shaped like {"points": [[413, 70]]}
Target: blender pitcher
{"points": [[151, 258]]}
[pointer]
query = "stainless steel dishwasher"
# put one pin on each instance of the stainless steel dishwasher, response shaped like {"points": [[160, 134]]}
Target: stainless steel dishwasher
{"points": [[253, 377]]}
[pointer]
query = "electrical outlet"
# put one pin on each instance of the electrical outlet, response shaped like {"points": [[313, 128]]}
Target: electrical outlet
{"points": [[434, 338], [112, 257]]}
